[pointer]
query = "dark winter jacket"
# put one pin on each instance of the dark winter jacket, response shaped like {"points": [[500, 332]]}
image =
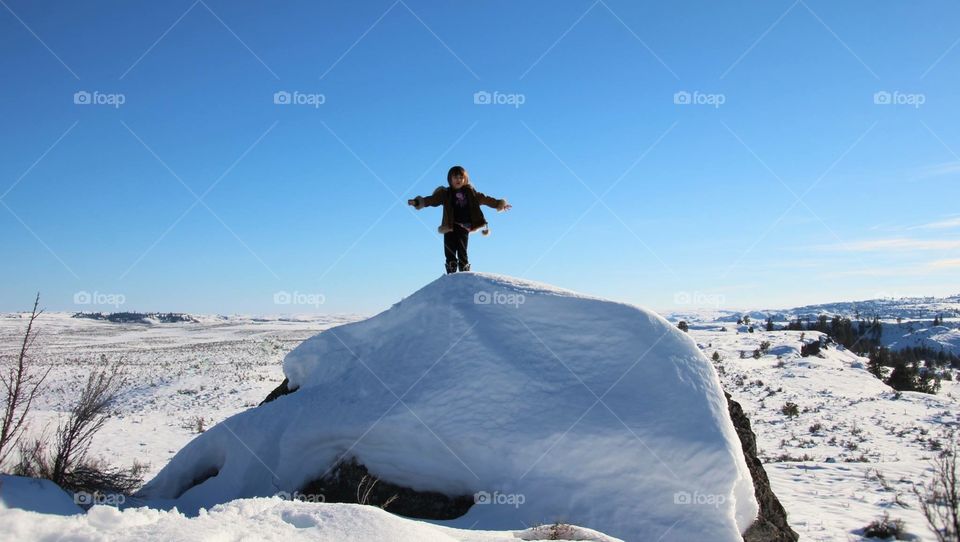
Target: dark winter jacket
{"points": [[443, 196]]}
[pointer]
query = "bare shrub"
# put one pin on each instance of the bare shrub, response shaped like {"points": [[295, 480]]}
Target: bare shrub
{"points": [[65, 462], [885, 528], [365, 490], [22, 381], [940, 496]]}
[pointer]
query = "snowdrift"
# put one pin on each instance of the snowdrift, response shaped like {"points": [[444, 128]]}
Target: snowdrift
{"points": [[545, 404], [252, 519]]}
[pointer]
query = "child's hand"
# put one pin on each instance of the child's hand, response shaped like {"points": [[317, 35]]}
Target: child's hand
{"points": [[507, 207], [504, 206], [412, 202]]}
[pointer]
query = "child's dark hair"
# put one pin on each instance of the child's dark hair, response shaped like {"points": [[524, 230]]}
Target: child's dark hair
{"points": [[457, 171]]}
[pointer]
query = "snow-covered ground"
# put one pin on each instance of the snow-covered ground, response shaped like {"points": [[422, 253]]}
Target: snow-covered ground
{"points": [[178, 374], [264, 519], [865, 445], [856, 447]]}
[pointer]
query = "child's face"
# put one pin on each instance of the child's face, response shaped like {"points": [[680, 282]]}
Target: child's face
{"points": [[457, 182]]}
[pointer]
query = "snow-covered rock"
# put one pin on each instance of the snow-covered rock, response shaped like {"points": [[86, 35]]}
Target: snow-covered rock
{"points": [[548, 404]]}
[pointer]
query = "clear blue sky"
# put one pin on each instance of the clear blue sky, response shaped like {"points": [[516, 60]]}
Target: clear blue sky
{"points": [[698, 202]]}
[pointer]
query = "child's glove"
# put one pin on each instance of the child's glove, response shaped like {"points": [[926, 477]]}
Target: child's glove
{"points": [[416, 202]]}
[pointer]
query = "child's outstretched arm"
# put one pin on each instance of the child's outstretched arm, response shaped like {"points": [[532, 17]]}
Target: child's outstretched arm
{"points": [[433, 200], [498, 204]]}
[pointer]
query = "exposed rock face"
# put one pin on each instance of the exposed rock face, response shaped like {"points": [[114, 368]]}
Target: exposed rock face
{"points": [[771, 524], [279, 391], [350, 482]]}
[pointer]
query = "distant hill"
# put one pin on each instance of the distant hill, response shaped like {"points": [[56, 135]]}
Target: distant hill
{"points": [[138, 317]]}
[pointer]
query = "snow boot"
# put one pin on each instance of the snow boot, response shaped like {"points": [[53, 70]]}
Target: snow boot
{"points": [[451, 267], [464, 266]]}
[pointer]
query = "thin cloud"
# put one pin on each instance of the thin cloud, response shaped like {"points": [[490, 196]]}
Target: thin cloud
{"points": [[945, 264], [927, 268], [938, 170], [939, 225], [896, 243]]}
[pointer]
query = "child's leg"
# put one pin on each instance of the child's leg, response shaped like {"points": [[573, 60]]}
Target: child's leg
{"points": [[463, 236], [450, 246]]}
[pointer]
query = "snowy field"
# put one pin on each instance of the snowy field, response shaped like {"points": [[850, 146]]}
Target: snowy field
{"points": [[179, 374], [851, 454], [856, 447]]}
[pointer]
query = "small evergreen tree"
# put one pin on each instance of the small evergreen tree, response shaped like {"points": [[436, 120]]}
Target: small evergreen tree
{"points": [[903, 377], [810, 349]]}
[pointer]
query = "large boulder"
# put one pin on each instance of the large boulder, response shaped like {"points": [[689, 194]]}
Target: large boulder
{"points": [[544, 404]]}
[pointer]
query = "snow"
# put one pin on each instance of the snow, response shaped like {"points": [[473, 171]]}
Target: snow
{"points": [[178, 373], [855, 450], [871, 448], [558, 405], [41, 496], [270, 519], [911, 335]]}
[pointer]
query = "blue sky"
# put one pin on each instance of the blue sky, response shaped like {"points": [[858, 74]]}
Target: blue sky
{"points": [[788, 180]]}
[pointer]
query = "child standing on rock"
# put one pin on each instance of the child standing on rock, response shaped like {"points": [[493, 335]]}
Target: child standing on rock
{"points": [[461, 215]]}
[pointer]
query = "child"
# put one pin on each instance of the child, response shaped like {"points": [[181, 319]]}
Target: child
{"points": [[461, 215]]}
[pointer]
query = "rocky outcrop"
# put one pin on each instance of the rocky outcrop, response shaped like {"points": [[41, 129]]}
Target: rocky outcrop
{"points": [[771, 523], [279, 391], [350, 482]]}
